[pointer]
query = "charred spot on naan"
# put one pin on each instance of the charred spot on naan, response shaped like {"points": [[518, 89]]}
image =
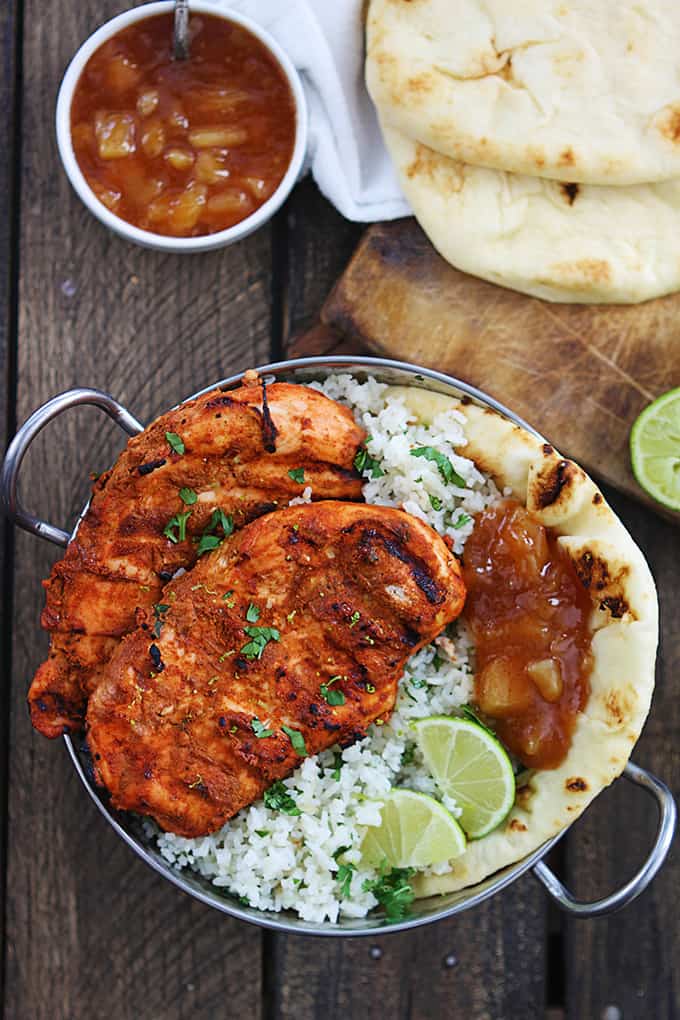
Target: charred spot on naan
{"points": [[667, 123], [554, 485], [607, 586]]}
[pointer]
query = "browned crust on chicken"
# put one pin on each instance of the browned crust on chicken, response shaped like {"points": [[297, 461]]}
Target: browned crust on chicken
{"points": [[239, 446], [351, 590]]}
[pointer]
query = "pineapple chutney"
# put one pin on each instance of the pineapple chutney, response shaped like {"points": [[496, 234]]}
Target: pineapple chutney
{"points": [[183, 147], [529, 616]]}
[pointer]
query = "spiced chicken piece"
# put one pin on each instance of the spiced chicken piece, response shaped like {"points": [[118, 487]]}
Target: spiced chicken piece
{"points": [[289, 638], [210, 466]]}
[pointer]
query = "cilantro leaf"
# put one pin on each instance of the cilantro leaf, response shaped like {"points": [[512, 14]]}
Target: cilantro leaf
{"points": [[462, 520], [260, 730], [435, 502], [207, 543], [393, 891], [209, 540], [159, 609], [228, 598], [252, 613], [179, 521], [408, 754], [363, 462], [297, 740], [469, 713], [332, 697], [188, 496], [261, 833], [344, 877], [261, 636], [176, 443], [446, 468], [298, 475], [278, 798], [355, 617], [337, 765]]}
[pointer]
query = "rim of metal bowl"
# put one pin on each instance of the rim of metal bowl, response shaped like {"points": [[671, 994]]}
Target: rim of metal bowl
{"points": [[130, 827]]}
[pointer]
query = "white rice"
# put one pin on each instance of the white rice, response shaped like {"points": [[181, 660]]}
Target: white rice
{"points": [[276, 861]]}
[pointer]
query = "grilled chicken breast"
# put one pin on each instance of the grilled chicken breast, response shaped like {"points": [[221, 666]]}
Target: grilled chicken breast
{"points": [[291, 637], [210, 465]]}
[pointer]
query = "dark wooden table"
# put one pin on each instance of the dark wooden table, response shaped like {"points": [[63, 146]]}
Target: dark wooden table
{"points": [[89, 931]]}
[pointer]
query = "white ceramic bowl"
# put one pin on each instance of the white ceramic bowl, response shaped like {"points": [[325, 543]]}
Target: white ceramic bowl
{"points": [[147, 238]]}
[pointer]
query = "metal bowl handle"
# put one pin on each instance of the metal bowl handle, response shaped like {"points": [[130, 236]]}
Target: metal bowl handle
{"points": [[639, 882], [25, 436]]}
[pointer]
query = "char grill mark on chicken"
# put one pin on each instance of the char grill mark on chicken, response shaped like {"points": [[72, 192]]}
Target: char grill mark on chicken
{"points": [[187, 723], [233, 452]]}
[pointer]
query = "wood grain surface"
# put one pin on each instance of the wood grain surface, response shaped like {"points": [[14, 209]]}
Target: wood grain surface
{"points": [[580, 374], [8, 249], [90, 933]]}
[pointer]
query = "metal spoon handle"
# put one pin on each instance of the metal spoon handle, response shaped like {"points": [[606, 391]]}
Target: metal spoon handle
{"points": [[181, 35]]}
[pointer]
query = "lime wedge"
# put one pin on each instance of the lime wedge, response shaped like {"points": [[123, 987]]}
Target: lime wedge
{"points": [[415, 831], [471, 766], [655, 449]]}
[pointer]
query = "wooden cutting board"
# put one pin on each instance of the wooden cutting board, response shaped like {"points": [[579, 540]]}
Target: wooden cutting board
{"points": [[580, 374]]}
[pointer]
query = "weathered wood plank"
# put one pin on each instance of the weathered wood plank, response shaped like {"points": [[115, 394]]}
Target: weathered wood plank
{"points": [[91, 932], [8, 85], [318, 245], [629, 962], [499, 948]]}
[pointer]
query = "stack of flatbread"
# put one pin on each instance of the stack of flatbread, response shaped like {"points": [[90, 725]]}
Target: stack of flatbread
{"points": [[538, 141]]}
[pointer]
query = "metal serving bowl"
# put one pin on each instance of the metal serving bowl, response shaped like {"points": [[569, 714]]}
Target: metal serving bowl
{"points": [[129, 827]]}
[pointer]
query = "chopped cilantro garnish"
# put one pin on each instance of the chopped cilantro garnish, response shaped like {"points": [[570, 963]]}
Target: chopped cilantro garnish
{"points": [[207, 543], [435, 502], [355, 617], [331, 696], [261, 833], [370, 688], [252, 613], [260, 730], [278, 798], [408, 755], [209, 540], [261, 636], [469, 713], [297, 740], [462, 520], [297, 474], [417, 682], [337, 765], [446, 468], [188, 496], [159, 610], [344, 878], [176, 442], [363, 462], [179, 521], [227, 597], [392, 890]]}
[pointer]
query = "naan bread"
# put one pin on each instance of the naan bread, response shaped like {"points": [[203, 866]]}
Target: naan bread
{"points": [[577, 90], [625, 633], [557, 241]]}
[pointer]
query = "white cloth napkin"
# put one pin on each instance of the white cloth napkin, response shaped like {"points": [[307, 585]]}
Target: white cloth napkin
{"points": [[347, 157]]}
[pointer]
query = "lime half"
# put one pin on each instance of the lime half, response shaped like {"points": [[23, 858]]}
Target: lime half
{"points": [[655, 449], [415, 831], [471, 766]]}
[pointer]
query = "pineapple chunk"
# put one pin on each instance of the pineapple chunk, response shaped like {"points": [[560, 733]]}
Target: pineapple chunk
{"points": [[502, 688], [115, 134], [216, 138], [547, 676]]}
